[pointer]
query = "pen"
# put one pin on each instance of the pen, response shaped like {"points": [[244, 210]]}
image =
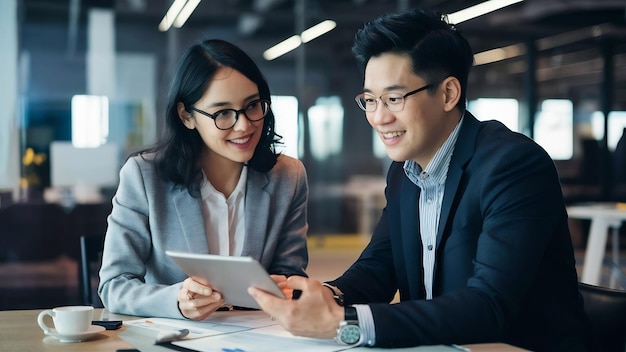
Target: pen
{"points": [[170, 336], [226, 307], [461, 348]]}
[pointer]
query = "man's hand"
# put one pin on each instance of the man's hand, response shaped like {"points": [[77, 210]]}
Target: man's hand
{"points": [[281, 282], [314, 314]]}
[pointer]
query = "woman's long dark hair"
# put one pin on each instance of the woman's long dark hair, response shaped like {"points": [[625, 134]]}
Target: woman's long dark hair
{"points": [[178, 150]]}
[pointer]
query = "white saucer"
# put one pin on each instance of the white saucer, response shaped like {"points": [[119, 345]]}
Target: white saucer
{"points": [[76, 337]]}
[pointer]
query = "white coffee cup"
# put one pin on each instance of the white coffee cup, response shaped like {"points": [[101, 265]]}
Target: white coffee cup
{"points": [[67, 320]]}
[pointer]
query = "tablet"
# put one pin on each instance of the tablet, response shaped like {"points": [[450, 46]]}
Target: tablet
{"points": [[229, 275]]}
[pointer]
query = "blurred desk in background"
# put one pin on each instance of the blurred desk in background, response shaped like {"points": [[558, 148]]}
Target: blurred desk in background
{"points": [[604, 217], [369, 193]]}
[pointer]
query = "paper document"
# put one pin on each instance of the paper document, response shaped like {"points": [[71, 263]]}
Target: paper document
{"points": [[270, 339], [238, 331], [155, 326]]}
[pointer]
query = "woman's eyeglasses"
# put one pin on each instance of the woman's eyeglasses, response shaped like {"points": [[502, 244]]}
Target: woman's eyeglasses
{"points": [[227, 118]]}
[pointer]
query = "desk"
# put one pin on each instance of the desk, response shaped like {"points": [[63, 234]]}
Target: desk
{"points": [[19, 332], [603, 216]]}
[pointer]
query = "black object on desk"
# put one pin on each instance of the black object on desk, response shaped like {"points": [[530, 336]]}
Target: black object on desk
{"points": [[108, 324]]}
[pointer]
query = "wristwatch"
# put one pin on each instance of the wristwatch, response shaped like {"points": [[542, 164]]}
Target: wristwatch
{"points": [[337, 294], [349, 331]]}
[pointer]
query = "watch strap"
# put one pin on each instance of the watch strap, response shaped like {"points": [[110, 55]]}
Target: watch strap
{"points": [[350, 314]]}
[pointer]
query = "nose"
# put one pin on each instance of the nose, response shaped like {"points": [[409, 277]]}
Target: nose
{"points": [[380, 116], [242, 122]]}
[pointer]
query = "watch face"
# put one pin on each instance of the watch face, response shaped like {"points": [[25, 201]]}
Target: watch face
{"points": [[350, 334]]}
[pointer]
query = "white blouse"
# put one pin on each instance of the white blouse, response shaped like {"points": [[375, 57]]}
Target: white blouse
{"points": [[225, 237]]}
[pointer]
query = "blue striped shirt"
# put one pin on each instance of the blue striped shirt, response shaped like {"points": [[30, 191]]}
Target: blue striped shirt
{"points": [[431, 180]]}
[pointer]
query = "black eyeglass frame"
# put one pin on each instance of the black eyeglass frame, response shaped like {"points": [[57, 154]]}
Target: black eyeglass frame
{"points": [[237, 112], [408, 94]]}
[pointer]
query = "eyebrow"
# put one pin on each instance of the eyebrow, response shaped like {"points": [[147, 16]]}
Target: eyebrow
{"points": [[387, 89], [220, 104]]}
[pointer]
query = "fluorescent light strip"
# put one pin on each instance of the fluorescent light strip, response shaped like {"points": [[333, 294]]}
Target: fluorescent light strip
{"points": [[295, 41], [185, 13], [283, 47], [511, 51], [499, 54], [171, 14], [318, 30], [479, 10]]}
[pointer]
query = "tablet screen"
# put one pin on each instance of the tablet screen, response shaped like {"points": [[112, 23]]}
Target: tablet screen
{"points": [[231, 276]]}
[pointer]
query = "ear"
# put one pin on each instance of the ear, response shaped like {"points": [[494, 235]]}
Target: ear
{"points": [[451, 93], [185, 117]]}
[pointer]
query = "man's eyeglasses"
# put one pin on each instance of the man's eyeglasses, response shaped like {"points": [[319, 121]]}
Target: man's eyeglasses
{"points": [[393, 101], [227, 118]]}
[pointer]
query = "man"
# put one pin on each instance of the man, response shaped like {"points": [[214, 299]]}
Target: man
{"points": [[474, 234]]}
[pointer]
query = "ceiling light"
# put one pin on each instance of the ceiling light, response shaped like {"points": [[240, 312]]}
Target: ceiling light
{"points": [[283, 47], [499, 54], [543, 44], [317, 30], [184, 14], [295, 40], [479, 10], [177, 14]]}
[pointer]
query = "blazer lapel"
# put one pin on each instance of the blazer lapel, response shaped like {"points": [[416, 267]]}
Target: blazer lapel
{"points": [[256, 214], [189, 211], [411, 239], [463, 151]]}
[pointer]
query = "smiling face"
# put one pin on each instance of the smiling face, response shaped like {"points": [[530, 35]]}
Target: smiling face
{"points": [[417, 131], [229, 89]]}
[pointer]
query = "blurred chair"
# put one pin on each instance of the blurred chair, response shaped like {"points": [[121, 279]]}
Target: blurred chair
{"points": [[6, 198], [90, 260], [606, 309], [31, 232], [84, 219], [619, 160]]}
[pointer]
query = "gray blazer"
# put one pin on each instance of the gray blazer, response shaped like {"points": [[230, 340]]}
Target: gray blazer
{"points": [[151, 216]]}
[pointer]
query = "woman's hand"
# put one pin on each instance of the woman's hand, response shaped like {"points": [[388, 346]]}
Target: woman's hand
{"points": [[197, 301], [281, 282]]}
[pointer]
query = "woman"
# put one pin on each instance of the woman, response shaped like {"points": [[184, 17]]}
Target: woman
{"points": [[213, 184]]}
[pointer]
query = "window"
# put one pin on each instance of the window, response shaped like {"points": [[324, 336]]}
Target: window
{"points": [[554, 129], [285, 110], [617, 123], [326, 127], [504, 110], [90, 120]]}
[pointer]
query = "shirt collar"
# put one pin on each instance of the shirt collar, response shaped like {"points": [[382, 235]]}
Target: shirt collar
{"points": [[208, 190], [437, 168]]}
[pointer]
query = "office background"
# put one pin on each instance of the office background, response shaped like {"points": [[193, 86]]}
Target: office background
{"points": [[553, 70]]}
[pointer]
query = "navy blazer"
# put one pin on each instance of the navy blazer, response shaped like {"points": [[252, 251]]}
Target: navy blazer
{"points": [[505, 269]]}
